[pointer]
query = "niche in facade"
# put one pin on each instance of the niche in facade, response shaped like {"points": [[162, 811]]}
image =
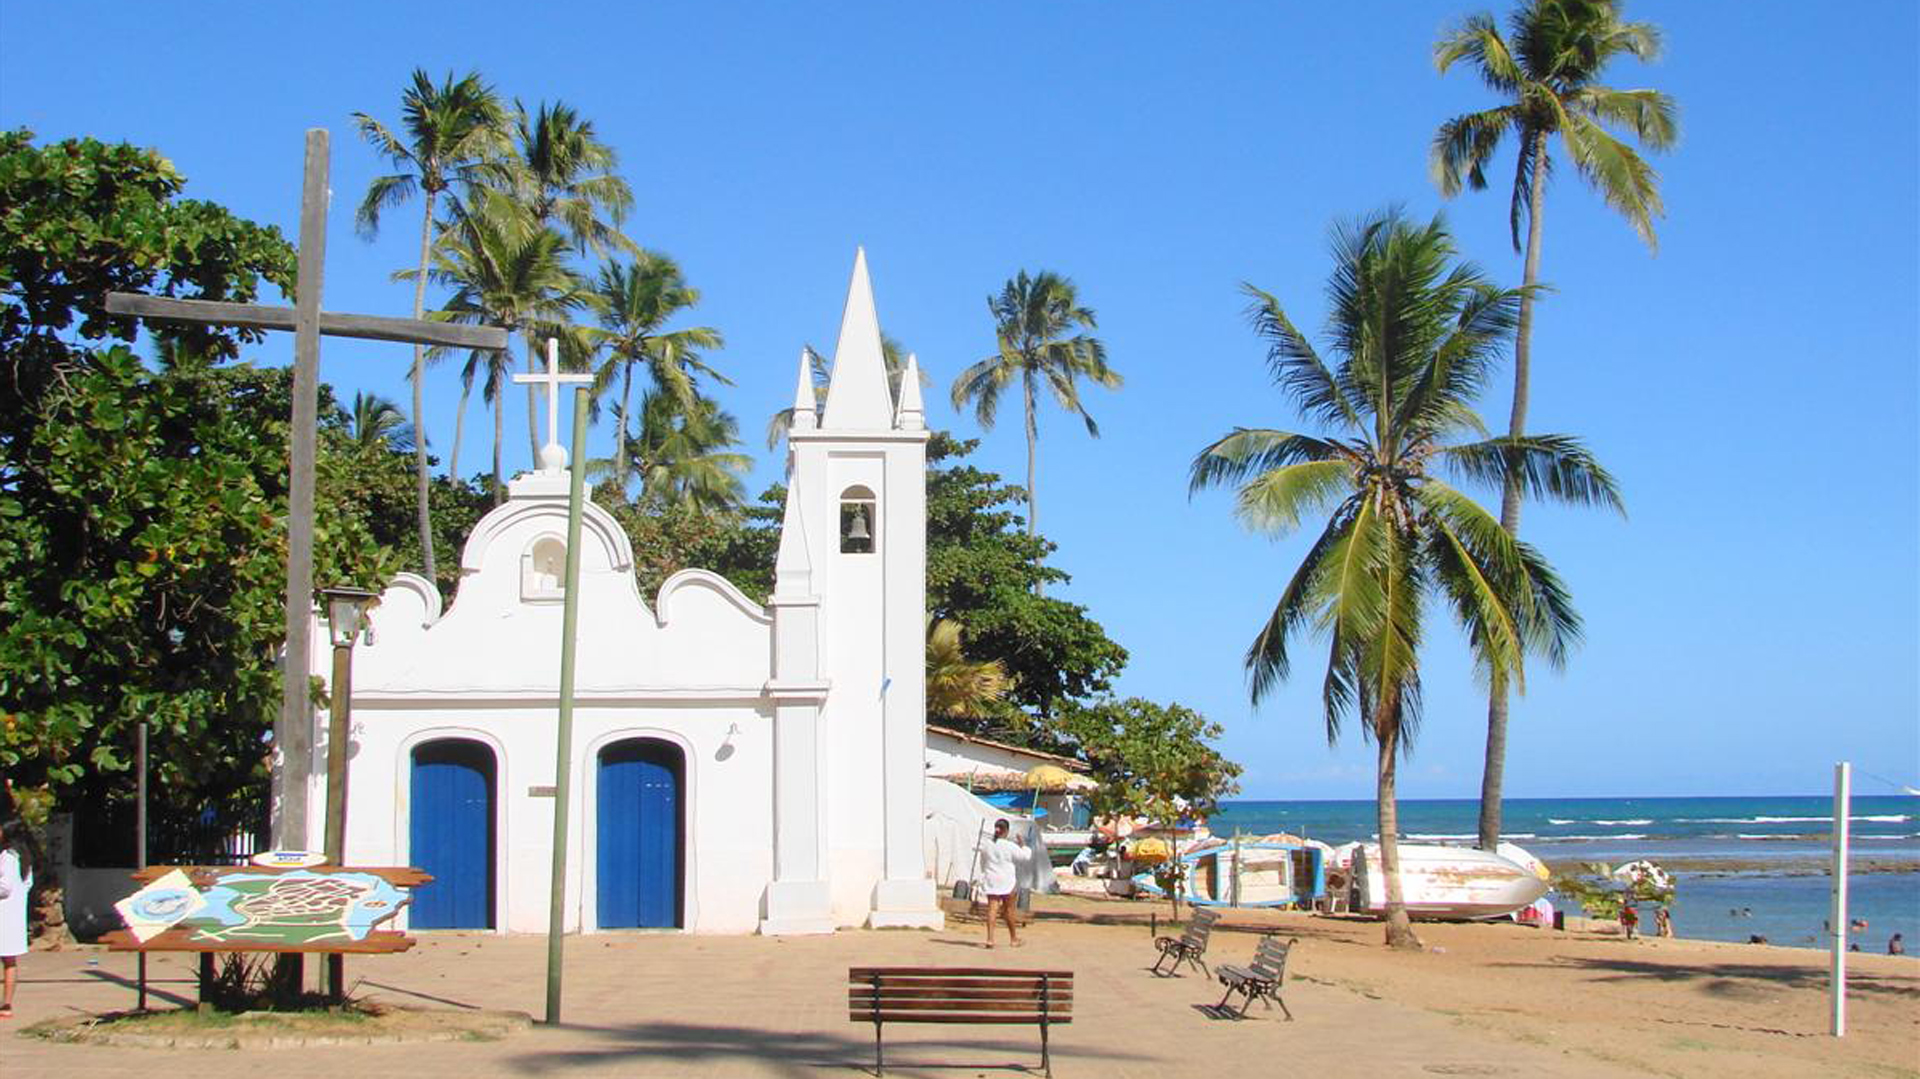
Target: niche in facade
{"points": [[859, 520], [543, 570]]}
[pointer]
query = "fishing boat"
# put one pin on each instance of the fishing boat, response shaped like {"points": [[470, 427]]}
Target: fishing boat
{"points": [[1264, 872], [1445, 883]]}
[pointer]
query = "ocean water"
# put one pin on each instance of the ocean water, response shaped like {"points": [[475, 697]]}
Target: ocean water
{"points": [[1742, 866]]}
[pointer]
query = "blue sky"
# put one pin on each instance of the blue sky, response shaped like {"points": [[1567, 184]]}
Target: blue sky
{"points": [[1753, 385]]}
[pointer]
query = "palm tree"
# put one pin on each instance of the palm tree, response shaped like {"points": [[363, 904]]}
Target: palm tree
{"points": [[454, 134], [1416, 336], [379, 422], [892, 353], [563, 176], [1032, 316], [958, 687], [683, 454], [1548, 69], [636, 301], [507, 271]]}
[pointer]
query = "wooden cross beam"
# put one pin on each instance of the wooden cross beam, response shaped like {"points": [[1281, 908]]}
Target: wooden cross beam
{"points": [[294, 732]]}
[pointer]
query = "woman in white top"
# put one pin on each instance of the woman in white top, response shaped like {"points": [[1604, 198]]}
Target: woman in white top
{"points": [[16, 881], [1000, 878]]}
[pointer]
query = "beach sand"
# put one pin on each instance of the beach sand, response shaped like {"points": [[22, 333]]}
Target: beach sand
{"points": [[1484, 1000]]}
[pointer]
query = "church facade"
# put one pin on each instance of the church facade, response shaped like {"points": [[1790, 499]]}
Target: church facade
{"points": [[736, 767]]}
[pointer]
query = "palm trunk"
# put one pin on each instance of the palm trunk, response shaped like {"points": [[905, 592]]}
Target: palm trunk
{"points": [[500, 433], [459, 428], [533, 403], [1399, 927], [1494, 774], [420, 487], [1033, 439], [620, 436]]}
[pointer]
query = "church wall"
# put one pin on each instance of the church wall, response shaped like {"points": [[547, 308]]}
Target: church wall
{"points": [[851, 621]]}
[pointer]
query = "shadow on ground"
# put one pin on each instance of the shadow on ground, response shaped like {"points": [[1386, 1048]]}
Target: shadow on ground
{"points": [[1734, 980], [799, 1053]]}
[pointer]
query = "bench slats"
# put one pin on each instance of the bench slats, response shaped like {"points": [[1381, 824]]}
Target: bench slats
{"points": [[948, 1017], [867, 996], [1052, 1007], [862, 973]]}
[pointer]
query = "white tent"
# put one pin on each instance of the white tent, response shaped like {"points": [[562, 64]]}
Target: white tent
{"points": [[956, 826]]}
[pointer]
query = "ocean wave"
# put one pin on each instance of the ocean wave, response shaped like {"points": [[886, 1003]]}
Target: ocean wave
{"points": [[1603, 823], [1886, 818], [1598, 838], [1557, 820], [1442, 835]]}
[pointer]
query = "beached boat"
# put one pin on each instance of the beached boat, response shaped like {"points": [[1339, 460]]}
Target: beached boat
{"points": [[1445, 883], [1252, 873]]}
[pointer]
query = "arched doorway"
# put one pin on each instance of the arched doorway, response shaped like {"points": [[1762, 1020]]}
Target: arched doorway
{"points": [[639, 822], [451, 834]]}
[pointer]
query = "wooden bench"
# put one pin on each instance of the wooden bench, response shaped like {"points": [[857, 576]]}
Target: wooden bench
{"points": [[1189, 946], [1260, 981], [881, 995]]}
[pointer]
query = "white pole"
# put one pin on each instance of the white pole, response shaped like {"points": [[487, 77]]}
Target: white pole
{"points": [[1842, 817]]}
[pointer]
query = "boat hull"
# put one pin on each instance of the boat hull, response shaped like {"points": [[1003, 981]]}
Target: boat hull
{"points": [[1446, 883]]}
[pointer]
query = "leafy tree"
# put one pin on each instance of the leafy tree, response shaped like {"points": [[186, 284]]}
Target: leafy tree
{"points": [[983, 571], [669, 538], [1416, 335], [1153, 761], [635, 302], [683, 455], [451, 136], [1549, 68], [1032, 316]]}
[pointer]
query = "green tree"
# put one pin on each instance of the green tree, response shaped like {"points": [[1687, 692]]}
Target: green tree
{"points": [[684, 456], [509, 271], [984, 571], [1549, 68], [1153, 761], [451, 136], [1032, 318], [635, 302], [1416, 335]]}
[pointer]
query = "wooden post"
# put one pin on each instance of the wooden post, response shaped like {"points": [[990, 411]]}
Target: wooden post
{"points": [[295, 737], [562, 786], [340, 704], [1837, 922]]}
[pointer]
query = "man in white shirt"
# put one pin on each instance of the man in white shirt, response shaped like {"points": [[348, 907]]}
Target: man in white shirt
{"points": [[1000, 879]]}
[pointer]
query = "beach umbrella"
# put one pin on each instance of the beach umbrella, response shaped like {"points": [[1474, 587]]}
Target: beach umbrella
{"points": [[1048, 777], [1151, 851]]}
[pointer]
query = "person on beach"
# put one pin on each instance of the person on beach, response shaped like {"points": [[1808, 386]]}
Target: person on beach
{"points": [[1897, 945], [1000, 879], [1662, 922], [1629, 919], [16, 882]]}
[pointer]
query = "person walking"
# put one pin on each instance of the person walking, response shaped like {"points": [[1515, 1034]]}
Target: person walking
{"points": [[1000, 878], [16, 882]]}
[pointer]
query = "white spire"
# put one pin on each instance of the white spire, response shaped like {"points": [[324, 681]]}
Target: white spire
{"points": [[857, 394], [805, 404], [911, 415], [792, 568]]}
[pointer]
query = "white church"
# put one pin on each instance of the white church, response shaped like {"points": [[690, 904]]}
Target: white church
{"points": [[736, 768]]}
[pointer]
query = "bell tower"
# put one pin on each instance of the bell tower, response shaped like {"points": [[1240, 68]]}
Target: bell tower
{"points": [[856, 491]]}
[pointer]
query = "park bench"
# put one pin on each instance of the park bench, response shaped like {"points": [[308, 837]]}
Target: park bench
{"points": [[1259, 981], [881, 995], [1189, 946]]}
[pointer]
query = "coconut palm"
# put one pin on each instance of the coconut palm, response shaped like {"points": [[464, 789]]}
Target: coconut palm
{"points": [[892, 353], [1032, 317], [958, 687], [453, 136], [1548, 68], [377, 421], [508, 271], [683, 454], [636, 300], [1416, 335]]}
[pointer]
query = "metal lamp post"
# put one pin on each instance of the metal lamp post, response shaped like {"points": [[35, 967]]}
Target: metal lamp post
{"points": [[346, 619]]}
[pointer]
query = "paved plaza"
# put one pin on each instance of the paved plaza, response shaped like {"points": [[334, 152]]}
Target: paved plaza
{"points": [[681, 1005]]}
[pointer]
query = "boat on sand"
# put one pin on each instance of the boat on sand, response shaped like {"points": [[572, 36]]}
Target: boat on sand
{"points": [[1445, 883]]}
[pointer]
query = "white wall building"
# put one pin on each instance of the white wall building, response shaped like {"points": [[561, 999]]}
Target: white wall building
{"points": [[735, 768]]}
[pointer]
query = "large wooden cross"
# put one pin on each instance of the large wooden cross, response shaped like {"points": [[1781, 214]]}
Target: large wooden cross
{"points": [[294, 732]]}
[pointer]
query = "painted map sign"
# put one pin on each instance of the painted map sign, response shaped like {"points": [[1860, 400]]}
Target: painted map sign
{"points": [[262, 909]]}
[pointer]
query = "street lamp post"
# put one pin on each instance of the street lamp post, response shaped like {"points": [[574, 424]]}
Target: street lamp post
{"points": [[346, 619]]}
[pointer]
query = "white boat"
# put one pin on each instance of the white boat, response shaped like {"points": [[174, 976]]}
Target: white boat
{"points": [[1446, 883]]}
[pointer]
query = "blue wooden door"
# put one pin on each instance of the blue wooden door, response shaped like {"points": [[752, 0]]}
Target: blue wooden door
{"points": [[451, 834], [639, 825]]}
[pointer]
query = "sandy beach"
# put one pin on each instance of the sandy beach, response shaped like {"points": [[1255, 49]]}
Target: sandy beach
{"points": [[1482, 1000]]}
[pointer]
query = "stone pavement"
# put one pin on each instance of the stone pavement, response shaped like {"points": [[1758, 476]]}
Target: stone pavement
{"points": [[656, 1004]]}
